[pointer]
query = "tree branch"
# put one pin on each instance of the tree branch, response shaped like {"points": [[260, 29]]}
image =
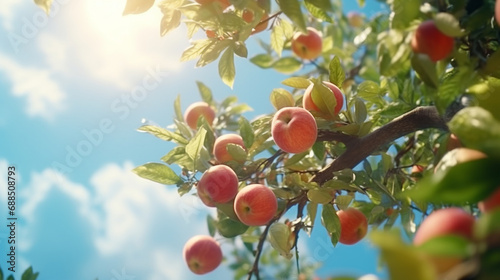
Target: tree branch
{"points": [[360, 148]]}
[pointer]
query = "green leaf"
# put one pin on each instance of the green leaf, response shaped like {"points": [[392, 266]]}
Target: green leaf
{"points": [[448, 24], [137, 6], [281, 98], [246, 132], [212, 225], [205, 92], [196, 49], [240, 49], [44, 4], [447, 245], [360, 111], [237, 152], [404, 12], [263, 60], [157, 172], [163, 134], [212, 52], [287, 65], [312, 211], [316, 11], [426, 69], [297, 82], [277, 38], [279, 237], [323, 97], [227, 71], [173, 155], [10, 277], [193, 148], [28, 274], [171, 19], [337, 74], [477, 129], [403, 261], [331, 222], [292, 9], [369, 90], [230, 228], [468, 182], [487, 225], [177, 109]]}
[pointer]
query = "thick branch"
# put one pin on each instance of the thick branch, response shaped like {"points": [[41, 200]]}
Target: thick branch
{"points": [[360, 148]]}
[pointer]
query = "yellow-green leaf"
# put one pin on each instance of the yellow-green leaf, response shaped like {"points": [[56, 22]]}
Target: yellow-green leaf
{"points": [[227, 71]]}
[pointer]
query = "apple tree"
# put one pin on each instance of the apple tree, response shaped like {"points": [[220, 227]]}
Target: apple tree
{"points": [[387, 124]]}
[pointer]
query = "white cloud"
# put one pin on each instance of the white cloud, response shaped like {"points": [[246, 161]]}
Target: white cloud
{"points": [[44, 97], [135, 227]]}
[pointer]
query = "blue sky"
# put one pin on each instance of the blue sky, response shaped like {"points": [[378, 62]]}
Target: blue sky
{"points": [[74, 88]]}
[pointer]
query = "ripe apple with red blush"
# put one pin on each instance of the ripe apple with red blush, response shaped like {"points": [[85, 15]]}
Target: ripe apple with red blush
{"points": [[429, 40], [353, 225], [255, 205], [220, 151], [195, 111], [446, 221], [307, 45], [294, 129], [218, 184], [202, 254], [308, 103]]}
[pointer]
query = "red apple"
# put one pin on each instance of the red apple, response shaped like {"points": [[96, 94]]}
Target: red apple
{"points": [[308, 103], [353, 225], [219, 184], [294, 129], [490, 203], [202, 254], [255, 205], [429, 40], [197, 110], [248, 16], [446, 221], [355, 19], [417, 169], [308, 45], [220, 147], [497, 11]]}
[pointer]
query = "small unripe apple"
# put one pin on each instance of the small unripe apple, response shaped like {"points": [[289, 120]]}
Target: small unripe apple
{"points": [[202, 254], [308, 103], [446, 221], [220, 151], [195, 111], [308, 45], [429, 40], [219, 184], [355, 19], [491, 203], [353, 225], [255, 205], [294, 129]]}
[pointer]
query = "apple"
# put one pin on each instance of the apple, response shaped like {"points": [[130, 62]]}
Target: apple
{"points": [[490, 203], [195, 111], [308, 103], [456, 156], [255, 205], [220, 151], [210, 34], [417, 169], [308, 45], [219, 184], [497, 11], [248, 16], [353, 225], [429, 40], [355, 19], [446, 221], [294, 129], [202, 254]]}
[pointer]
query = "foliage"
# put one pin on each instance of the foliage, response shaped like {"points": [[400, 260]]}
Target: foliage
{"points": [[28, 274], [401, 108]]}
